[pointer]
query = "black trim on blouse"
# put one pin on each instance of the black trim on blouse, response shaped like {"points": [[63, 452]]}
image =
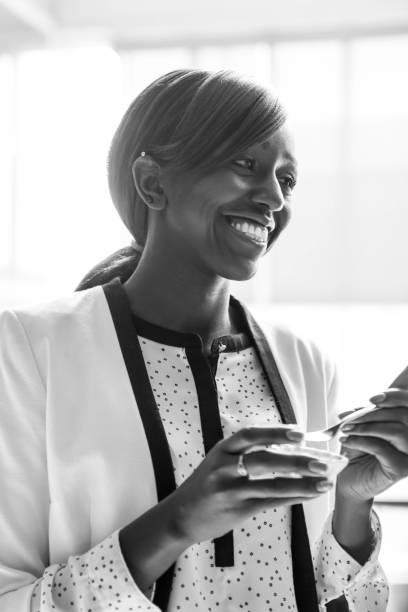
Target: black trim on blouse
{"points": [[128, 327], [163, 335], [203, 369], [156, 436]]}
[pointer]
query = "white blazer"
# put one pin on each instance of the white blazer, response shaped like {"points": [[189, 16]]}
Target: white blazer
{"points": [[71, 433]]}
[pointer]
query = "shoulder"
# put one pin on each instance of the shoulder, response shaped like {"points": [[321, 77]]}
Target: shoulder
{"points": [[288, 338], [45, 317], [298, 351], [308, 373]]}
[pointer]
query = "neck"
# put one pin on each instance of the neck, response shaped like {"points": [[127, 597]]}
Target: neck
{"points": [[178, 297]]}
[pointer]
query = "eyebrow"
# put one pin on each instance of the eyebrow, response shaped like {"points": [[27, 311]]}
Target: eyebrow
{"points": [[291, 159], [287, 156]]}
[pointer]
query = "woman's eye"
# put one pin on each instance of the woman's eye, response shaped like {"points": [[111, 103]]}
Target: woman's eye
{"points": [[245, 162], [288, 182]]}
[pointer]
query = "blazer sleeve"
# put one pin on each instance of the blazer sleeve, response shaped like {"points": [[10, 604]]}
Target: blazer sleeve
{"points": [[96, 580], [365, 588]]}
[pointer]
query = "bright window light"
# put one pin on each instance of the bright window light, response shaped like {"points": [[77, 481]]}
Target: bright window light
{"points": [[69, 105], [7, 158], [252, 60], [309, 79], [379, 106], [142, 67]]}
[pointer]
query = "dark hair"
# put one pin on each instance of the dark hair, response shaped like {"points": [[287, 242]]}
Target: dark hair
{"points": [[189, 120], [120, 264]]}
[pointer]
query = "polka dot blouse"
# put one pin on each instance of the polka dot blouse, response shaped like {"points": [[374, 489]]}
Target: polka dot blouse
{"points": [[261, 578]]}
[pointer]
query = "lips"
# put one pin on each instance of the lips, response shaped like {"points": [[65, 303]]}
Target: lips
{"points": [[255, 239], [257, 220]]}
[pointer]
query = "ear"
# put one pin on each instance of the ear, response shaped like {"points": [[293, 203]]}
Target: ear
{"points": [[146, 174]]}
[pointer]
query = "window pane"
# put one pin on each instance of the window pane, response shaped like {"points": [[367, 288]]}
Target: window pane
{"points": [[7, 156], [251, 60], [379, 104], [308, 77], [69, 105], [142, 67], [379, 78]]}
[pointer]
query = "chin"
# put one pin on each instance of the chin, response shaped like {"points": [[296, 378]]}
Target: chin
{"points": [[240, 273]]}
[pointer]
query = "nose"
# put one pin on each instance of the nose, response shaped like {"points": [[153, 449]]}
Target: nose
{"points": [[270, 194]]}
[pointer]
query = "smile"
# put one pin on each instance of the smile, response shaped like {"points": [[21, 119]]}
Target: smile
{"points": [[255, 232]]}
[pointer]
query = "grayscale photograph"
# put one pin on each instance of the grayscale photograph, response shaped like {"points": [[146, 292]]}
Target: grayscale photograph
{"points": [[204, 306]]}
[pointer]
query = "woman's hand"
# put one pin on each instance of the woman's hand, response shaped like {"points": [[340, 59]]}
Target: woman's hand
{"points": [[215, 499], [377, 448]]}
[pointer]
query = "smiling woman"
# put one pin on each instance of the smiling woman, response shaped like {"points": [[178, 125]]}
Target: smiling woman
{"points": [[191, 131], [160, 395], [178, 129]]}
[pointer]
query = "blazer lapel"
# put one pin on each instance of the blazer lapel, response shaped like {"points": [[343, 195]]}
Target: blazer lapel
{"points": [[302, 563], [267, 359]]}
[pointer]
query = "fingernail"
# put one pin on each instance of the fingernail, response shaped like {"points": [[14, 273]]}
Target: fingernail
{"points": [[323, 485], [377, 399], [318, 466], [294, 435], [347, 427]]}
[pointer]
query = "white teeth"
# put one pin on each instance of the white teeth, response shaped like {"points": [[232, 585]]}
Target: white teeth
{"points": [[256, 232]]}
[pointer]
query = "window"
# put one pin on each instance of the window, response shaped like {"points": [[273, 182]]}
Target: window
{"points": [[339, 274]]}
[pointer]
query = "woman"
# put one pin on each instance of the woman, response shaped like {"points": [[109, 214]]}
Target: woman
{"points": [[129, 407]]}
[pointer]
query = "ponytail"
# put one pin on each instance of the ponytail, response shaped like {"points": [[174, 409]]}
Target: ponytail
{"points": [[120, 264]]}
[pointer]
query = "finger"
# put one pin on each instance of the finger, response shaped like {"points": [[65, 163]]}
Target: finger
{"points": [[255, 504], [263, 462], [385, 452], [401, 382], [246, 438], [391, 397], [348, 412], [283, 487], [350, 454], [393, 432], [398, 414]]}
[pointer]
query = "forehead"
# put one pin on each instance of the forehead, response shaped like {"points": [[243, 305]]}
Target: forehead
{"points": [[280, 143]]}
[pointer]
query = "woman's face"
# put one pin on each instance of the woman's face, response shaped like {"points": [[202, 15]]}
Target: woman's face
{"points": [[221, 221]]}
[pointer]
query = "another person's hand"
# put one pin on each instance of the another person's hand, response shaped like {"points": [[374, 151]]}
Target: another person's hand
{"points": [[377, 447], [215, 499]]}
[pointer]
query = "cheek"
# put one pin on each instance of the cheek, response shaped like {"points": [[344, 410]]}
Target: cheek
{"points": [[198, 207], [226, 189], [222, 182]]}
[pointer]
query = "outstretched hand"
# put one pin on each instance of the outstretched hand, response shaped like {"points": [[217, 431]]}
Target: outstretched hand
{"points": [[376, 445]]}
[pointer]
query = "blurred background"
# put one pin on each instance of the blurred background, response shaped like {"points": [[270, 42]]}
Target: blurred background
{"points": [[69, 69]]}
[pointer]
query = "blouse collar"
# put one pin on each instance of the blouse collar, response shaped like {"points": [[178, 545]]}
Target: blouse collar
{"points": [[164, 335]]}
